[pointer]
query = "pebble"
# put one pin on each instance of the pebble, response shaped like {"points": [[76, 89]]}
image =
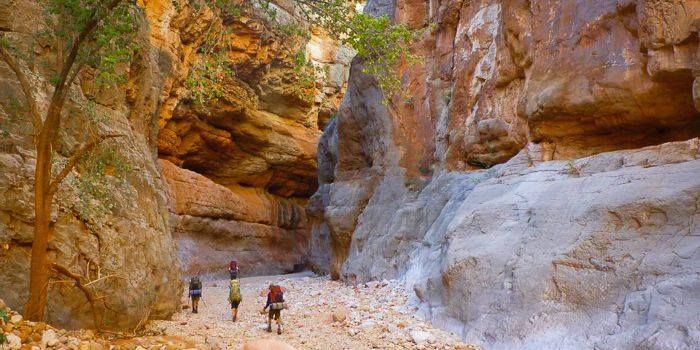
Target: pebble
{"points": [[13, 342], [16, 319], [421, 337], [49, 338]]}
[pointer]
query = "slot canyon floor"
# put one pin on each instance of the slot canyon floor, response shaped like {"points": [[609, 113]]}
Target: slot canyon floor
{"points": [[322, 314]]}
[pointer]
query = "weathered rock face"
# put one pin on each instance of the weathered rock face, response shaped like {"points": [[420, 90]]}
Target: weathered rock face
{"points": [[213, 224], [241, 166], [129, 253], [582, 232]]}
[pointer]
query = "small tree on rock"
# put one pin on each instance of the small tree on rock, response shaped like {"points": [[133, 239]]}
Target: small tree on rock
{"points": [[84, 33]]}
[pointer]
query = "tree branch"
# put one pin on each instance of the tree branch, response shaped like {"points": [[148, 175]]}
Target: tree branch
{"points": [[79, 283], [75, 158], [24, 84], [54, 113]]}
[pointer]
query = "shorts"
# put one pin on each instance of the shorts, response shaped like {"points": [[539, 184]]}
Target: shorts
{"points": [[274, 314], [234, 304]]}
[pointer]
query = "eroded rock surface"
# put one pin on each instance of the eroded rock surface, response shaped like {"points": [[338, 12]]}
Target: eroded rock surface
{"points": [[214, 224], [242, 166], [129, 253], [538, 189]]}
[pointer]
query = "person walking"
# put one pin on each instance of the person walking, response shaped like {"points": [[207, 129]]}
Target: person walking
{"points": [[233, 269], [195, 292], [276, 303], [234, 297]]}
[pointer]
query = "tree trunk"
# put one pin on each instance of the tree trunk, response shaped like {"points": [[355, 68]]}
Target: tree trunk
{"points": [[43, 197], [39, 269]]}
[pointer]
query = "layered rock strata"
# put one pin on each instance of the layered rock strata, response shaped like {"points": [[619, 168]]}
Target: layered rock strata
{"points": [[242, 165], [537, 189]]}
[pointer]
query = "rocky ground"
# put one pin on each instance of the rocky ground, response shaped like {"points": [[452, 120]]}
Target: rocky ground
{"points": [[322, 314], [17, 333]]}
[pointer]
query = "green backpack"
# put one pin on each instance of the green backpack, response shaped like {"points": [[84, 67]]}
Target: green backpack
{"points": [[234, 293]]}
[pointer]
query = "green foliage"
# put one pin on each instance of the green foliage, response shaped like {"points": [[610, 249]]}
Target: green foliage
{"points": [[4, 318], [379, 42], [307, 74], [227, 7], [99, 175], [111, 43], [14, 110], [207, 77], [381, 45], [291, 30]]}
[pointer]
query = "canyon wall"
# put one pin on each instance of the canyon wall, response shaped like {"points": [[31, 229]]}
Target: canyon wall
{"points": [[240, 167], [226, 179], [538, 187], [128, 253]]}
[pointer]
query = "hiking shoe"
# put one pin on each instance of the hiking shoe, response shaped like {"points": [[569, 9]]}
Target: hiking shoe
{"points": [[234, 318], [279, 330], [269, 329]]}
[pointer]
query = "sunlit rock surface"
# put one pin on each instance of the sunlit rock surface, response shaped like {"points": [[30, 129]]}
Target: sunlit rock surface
{"points": [[242, 166], [538, 187]]}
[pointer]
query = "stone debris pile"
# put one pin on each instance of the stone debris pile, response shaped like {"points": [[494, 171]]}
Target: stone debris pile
{"points": [[16, 333]]}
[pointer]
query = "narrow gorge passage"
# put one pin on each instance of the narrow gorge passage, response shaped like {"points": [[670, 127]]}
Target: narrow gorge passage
{"points": [[458, 174]]}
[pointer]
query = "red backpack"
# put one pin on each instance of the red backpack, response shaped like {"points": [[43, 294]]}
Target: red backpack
{"points": [[233, 265], [276, 294]]}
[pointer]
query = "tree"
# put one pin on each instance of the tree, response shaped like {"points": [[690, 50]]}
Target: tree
{"points": [[379, 43], [86, 33], [99, 34]]}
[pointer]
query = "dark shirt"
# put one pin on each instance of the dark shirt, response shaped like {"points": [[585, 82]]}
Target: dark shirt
{"points": [[269, 301]]}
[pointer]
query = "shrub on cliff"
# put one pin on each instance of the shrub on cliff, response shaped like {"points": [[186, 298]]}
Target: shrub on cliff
{"points": [[380, 43]]}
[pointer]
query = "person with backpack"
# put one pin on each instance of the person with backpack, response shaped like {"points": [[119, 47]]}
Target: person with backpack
{"points": [[275, 301], [234, 297], [195, 292], [233, 269]]}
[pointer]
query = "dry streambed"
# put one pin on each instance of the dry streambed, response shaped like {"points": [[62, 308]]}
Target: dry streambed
{"points": [[322, 314]]}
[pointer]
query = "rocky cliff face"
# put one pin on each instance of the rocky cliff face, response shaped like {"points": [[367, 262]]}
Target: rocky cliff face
{"points": [[241, 167], [538, 189], [129, 253], [233, 176]]}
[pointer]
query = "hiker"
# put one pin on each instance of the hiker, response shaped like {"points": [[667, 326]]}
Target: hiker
{"points": [[195, 292], [275, 301], [234, 297], [233, 269]]}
